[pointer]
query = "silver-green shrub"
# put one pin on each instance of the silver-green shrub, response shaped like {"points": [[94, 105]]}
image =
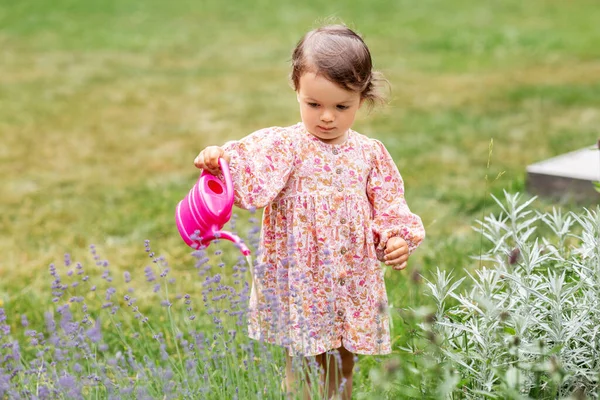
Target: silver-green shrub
{"points": [[529, 324]]}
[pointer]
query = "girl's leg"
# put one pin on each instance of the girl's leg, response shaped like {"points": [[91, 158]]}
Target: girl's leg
{"points": [[337, 369], [290, 375], [295, 370]]}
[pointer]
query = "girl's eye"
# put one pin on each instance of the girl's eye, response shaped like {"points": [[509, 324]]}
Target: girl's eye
{"points": [[340, 107], [313, 105]]}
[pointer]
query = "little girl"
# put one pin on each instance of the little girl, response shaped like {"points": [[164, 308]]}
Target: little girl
{"points": [[334, 208]]}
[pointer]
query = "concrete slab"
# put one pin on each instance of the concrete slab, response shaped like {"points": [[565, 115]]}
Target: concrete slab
{"points": [[567, 177]]}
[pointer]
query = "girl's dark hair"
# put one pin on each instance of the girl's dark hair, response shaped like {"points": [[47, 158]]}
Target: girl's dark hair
{"points": [[341, 56]]}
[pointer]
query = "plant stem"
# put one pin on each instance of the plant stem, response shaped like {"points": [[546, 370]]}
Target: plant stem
{"points": [[485, 194]]}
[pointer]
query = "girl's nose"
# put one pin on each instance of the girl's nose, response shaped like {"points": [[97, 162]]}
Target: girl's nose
{"points": [[327, 116]]}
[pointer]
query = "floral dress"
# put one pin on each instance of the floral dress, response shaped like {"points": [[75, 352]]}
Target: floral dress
{"points": [[329, 211]]}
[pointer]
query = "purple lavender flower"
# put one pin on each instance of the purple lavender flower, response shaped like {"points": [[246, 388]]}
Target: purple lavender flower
{"points": [[50, 323], [149, 274], [69, 385], [94, 333], [109, 292], [43, 392], [163, 352]]}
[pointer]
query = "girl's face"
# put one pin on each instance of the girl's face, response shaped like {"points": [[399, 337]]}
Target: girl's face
{"points": [[327, 110]]}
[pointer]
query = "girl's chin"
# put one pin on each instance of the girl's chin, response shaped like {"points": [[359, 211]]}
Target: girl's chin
{"points": [[330, 140]]}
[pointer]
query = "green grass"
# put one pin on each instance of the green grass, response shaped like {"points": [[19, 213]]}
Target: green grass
{"points": [[104, 104]]}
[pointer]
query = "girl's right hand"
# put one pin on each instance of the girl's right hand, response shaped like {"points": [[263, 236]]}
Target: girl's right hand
{"points": [[208, 159]]}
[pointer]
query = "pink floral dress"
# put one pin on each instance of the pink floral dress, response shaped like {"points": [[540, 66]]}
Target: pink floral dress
{"points": [[329, 211]]}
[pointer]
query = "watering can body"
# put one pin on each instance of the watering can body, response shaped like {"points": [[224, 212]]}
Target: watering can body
{"points": [[201, 215]]}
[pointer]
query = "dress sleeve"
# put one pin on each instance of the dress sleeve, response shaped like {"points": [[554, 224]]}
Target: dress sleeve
{"points": [[391, 215], [260, 166]]}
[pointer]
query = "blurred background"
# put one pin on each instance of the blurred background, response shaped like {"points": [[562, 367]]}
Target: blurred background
{"points": [[105, 104]]}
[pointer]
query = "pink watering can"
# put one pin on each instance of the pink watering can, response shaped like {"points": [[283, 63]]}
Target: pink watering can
{"points": [[206, 209]]}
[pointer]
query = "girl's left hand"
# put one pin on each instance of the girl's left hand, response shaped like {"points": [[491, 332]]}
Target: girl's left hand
{"points": [[396, 253]]}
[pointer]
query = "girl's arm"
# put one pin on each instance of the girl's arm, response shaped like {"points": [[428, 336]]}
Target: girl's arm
{"points": [[391, 215]]}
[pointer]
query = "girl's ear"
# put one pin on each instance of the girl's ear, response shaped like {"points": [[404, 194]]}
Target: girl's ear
{"points": [[361, 103], [298, 97]]}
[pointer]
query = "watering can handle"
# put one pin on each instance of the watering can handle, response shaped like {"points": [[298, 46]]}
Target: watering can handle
{"points": [[228, 182]]}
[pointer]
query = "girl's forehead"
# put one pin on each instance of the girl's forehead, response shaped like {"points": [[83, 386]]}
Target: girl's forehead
{"points": [[317, 87]]}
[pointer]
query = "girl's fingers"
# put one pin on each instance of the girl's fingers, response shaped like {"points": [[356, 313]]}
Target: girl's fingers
{"points": [[398, 260], [211, 158], [402, 251], [400, 267], [199, 161], [208, 159], [396, 244]]}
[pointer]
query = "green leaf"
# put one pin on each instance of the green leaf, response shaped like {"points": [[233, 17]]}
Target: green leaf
{"points": [[485, 394], [509, 330], [555, 350], [596, 186]]}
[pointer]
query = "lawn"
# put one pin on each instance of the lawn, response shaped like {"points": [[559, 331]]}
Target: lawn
{"points": [[104, 105]]}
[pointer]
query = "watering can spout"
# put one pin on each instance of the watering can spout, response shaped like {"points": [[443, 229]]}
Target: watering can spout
{"points": [[235, 239]]}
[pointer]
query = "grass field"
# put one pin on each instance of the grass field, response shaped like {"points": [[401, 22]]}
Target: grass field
{"points": [[104, 105]]}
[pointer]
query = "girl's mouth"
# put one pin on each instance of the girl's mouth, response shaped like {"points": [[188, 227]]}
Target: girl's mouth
{"points": [[325, 129]]}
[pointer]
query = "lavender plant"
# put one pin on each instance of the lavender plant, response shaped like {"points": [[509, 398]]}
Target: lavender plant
{"points": [[135, 336], [528, 326]]}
